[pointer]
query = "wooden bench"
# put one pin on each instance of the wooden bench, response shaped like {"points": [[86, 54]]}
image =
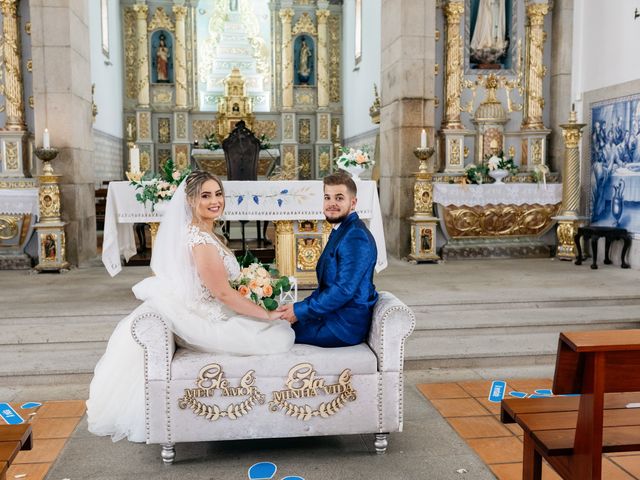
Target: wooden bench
{"points": [[573, 432], [13, 438]]}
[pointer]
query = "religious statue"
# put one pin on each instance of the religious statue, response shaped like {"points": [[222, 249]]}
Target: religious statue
{"points": [[489, 41], [304, 62], [50, 247], [162, 60]]}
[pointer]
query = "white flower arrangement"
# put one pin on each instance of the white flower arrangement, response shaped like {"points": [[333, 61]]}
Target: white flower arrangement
{"points": [[351, 157]]}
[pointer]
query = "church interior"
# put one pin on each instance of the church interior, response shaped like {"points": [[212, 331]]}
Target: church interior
{"points": [[495, 146]]}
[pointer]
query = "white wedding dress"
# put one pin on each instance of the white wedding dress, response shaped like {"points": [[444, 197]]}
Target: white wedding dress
{"points": [[199, 321]]}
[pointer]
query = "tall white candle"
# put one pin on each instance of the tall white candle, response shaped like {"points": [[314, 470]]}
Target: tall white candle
{"points": [[423, 139], [129, 130], [134, 159], [338, 132], [46, 142]]}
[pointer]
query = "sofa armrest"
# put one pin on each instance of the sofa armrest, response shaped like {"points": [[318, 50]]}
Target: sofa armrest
{"points": [[152, 333], [392, 323]]}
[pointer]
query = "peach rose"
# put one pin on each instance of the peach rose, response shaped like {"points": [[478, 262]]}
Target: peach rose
{"points": [[262, 272], [253, 284], [360, 158], [176, 175], [267, 290], [244, 291]]}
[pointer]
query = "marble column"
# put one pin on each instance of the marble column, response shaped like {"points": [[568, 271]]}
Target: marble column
{"points": [[286, 15], [143, 55], [534, 97], [408, 49], [63, 105], [323, 59], [180, 13]]}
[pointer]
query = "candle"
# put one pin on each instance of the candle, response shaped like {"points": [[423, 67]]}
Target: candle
{"points": [[338, 132], [130, 130], [45, 139], [423, 139], [134, 159]]}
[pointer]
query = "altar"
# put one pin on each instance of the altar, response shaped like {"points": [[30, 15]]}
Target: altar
{"points": [[491, 220], [295, 206], [18, 215], [213, 161]]}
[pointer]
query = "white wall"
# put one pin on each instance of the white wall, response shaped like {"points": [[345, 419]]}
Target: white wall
{"points": [[357, 81], [606, 40], [107, 73]]}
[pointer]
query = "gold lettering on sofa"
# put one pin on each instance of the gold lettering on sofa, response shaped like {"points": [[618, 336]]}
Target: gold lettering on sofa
{"points": [[303, 382], [211, 379]]}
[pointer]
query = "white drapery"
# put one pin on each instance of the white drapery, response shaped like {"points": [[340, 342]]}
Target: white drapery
{"points": [[491, 194]]}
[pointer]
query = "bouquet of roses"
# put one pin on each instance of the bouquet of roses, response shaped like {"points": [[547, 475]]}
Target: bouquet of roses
{"points": [[260, 284], [160, 187], [498, 162], [350, 157]]}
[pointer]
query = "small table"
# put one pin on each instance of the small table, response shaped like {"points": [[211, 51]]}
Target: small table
{"points": [[610, 234]]}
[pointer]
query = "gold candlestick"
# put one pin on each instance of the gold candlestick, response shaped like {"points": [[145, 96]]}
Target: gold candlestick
{"points": [[423, 223]]}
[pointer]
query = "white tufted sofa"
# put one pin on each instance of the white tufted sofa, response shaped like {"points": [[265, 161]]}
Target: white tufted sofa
{"points": [[308, 391]]}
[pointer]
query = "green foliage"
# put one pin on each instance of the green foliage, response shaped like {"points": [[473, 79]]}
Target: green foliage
{"points": [[160, 187]]}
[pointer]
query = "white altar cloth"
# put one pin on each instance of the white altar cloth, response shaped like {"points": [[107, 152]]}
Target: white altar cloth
{"points": [[492, 194], [261, 200], [19, 201]]}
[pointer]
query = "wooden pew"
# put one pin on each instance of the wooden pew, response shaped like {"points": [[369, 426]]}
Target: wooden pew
{"points": [[13, 438], [572, 433]]}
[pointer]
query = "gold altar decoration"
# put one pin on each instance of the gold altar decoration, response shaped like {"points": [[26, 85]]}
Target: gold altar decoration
{"points": [[335, 57], [569, 219], [534, 101], [305, 25], [323, 58], [130, 52], [50, 228], [490, 118], [211, 380], [423, 223], [298, 246], [286, 15], [180, 13], [12, 66], [142, 78], [453, 65], [303, 382], [374, 109], [234, 106], [498, 220], [160, 19]]}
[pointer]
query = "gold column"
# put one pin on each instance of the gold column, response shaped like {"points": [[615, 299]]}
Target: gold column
{"points": [[568, 220], [13, 71], [323, 59], [285, 247], [286, 15], [453, 66], [534, 101], [143, 55], [181, 56]]}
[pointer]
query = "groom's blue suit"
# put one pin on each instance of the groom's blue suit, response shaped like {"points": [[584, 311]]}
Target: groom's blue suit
{"points": [[338, 313]]}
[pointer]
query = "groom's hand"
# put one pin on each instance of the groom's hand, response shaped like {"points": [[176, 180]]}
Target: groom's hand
{"points": [[288, 313]]}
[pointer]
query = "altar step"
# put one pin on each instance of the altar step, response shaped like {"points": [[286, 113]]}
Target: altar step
{"points": [[508, 333]]}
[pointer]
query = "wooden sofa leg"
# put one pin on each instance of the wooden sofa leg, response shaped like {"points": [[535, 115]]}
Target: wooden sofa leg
{"points": [[381, 443], [531, 460], [168, 453]]}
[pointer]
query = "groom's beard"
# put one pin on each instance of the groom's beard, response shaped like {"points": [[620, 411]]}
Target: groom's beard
{"points": [[339, 219]]}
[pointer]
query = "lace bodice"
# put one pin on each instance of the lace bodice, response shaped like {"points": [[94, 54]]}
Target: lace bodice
{"points": [[195, 236]]}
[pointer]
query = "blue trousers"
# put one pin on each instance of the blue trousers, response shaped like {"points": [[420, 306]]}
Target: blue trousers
{"points": [[318, 334]]}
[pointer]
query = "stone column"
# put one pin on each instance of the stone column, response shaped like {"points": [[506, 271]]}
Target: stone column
{"points": [[286, 15], [568, 220], [143, 55], [323, 59], [408, 48], [63, 105], [534, 99], [180, 13], [453, 65], [561, 55], [13, 71]]}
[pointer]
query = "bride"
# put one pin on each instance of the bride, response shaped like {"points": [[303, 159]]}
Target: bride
{"points": [[191, 291]]}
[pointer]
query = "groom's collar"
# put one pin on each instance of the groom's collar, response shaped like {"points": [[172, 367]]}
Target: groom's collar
{"points": [[349, 219]]}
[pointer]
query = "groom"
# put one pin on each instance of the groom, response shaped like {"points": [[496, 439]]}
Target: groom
{"points": [[338, 312]]}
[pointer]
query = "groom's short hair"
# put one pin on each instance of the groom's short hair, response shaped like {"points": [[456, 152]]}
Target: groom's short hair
{"points": [[341, 178]]}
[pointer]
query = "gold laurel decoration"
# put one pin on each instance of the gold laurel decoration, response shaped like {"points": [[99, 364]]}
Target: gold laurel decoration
{"points": [[233, 411]]}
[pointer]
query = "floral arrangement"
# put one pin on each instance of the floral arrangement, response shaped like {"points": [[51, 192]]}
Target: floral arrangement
{"points": [[259, 283], [160, 187], [476, 173], [498, 162], [350, 157], [540, 173]]}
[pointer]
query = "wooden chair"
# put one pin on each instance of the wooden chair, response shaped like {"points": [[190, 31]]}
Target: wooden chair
{"points": [[241, 152], [572, 433]]}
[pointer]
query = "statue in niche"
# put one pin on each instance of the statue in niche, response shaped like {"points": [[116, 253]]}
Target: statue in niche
{"points": [[162, 59], [235, 108], [489, 39], [50, 247], [304, 62]]}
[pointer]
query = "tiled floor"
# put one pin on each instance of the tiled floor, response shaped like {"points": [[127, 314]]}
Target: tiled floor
{"points": [[53, 423], [465, 405]]}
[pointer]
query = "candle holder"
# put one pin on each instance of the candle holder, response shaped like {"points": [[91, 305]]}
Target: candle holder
{"points": [[424, 154], [134, 176], [46, 155]]}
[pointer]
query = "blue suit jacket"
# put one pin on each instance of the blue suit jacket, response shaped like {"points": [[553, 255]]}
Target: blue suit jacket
{"points": [[345, 295]]}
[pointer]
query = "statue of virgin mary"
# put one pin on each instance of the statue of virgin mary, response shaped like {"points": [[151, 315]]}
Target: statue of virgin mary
{"points": [[488, 43]]}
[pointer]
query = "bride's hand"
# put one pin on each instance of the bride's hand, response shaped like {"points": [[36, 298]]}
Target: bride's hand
{"points": [[274, 315]]}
